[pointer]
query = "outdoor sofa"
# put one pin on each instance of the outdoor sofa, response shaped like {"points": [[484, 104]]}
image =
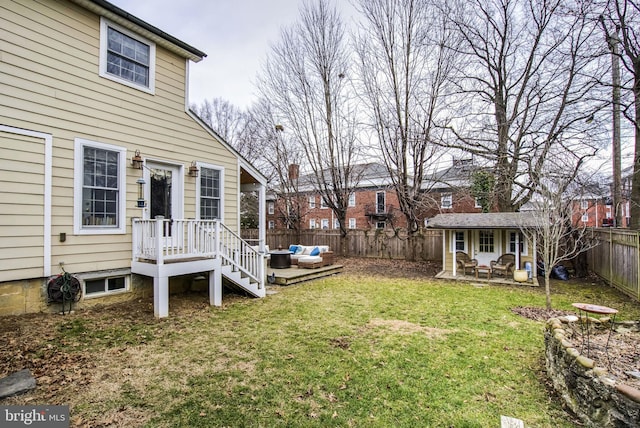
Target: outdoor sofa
{"points": [[311, 256]]}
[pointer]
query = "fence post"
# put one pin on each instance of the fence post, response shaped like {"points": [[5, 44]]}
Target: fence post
{"points": [[636, 241], [610, 258]]}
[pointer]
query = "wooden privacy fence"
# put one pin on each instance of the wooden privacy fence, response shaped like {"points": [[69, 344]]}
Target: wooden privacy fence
{"points": [[377, 243], [617, 259]]}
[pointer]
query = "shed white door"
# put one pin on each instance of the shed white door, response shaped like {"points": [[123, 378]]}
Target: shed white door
{"points": [[487, 245]]}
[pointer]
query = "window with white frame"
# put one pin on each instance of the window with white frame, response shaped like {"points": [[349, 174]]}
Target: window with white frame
{"points": [[94, 287], [336, 223], [271, 208], [324, 223], [126, 57], [584, 204], [272, 224], [585, 217], [458, 241], [446, 200], [477, 203], [99, 188], [517, 237], [352, 223], [323, 203], [312, 201], [352, 200], [312, 223], [210, 193], [380, 225]]}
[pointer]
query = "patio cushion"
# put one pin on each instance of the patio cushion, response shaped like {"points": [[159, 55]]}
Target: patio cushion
{"points": [[315, 252], [310, 259]]}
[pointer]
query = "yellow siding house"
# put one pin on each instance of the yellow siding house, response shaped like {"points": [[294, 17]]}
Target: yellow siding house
{"points": [[104, 171]]}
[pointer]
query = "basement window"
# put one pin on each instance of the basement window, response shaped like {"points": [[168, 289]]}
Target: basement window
{"points": [[100, 286]]}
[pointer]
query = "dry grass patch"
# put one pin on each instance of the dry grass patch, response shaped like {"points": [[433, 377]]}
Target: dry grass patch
{"points": [[406, 327]]}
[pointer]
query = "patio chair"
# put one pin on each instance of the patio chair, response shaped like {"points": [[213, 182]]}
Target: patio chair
{"points": [[504, 265], [465, 262]]}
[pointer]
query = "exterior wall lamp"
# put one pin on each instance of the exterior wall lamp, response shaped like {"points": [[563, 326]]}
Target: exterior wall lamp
{"points": [[136, 160], [141, 202], [193, 169]]}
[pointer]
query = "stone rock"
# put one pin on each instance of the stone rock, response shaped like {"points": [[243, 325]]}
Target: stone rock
{"points": [[629, 391], [586, 362], [17, 383]]}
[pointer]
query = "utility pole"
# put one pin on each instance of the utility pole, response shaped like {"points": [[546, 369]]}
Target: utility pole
{"points": [[613, 41]]}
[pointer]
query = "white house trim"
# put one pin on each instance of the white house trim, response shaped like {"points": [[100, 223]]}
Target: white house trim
{"points": [[48, 154]]}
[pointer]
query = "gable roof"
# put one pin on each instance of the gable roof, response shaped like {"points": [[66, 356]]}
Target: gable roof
{"points": [[127, 20], [483, 221], [459, 174]]}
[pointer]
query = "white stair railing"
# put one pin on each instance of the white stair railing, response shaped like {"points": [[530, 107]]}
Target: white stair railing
{"points": [[237, 252], [160, 240]]}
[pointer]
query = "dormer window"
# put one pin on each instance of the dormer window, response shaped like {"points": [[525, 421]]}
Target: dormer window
{"points": [[126, 57]]}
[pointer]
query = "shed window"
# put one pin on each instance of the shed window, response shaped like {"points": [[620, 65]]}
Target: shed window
{"points": [[458, 241], [513, 246]]}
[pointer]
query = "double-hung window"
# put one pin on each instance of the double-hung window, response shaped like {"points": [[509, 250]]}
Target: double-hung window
{"points": [[210, 192], [126, 57], [99, 188], [446, 200], [458, 241], [517, 239]]}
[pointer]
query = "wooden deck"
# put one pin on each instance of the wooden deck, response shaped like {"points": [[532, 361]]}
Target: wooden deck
{"points": [[482, 278], [294, 274]]}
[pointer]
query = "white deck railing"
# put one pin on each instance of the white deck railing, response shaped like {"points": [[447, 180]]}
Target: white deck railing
{"points": [[184, 240]]}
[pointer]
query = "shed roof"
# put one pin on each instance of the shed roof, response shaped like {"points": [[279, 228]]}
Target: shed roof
{"points": [[483, 221]]}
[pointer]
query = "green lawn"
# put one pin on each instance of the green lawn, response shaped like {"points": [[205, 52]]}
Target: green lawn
{"points": [[344, 351]]}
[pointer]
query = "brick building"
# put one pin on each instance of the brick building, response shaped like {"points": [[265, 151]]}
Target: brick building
{"points": [[374, 202]]}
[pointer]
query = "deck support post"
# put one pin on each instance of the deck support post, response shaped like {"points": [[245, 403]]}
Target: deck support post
{"points": [[215, 288], [161, 296]]}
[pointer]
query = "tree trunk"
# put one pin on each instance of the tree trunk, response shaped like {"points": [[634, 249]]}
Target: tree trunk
{"points": [[547, 287], [344, 245]]}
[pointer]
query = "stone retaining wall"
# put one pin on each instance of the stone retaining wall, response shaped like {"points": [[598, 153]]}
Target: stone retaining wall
{"points": [[594, 395]]}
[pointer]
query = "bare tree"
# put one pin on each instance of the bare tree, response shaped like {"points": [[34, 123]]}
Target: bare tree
{"points": [[305, 82], [550, 224], [235, 126], [624, 16], [403, 70], [280, 160], [528, 86]]}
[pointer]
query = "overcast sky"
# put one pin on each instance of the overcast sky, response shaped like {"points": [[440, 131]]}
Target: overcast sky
{"points": [[235, 35]]}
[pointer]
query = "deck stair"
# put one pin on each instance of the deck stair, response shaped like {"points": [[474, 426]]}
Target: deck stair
{"points": [[166, 248]]}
